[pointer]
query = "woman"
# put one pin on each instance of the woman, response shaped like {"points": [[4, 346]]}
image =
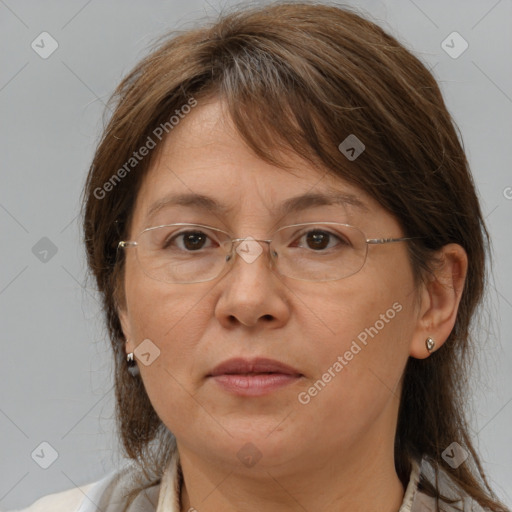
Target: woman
{"points": [[282, 223]]}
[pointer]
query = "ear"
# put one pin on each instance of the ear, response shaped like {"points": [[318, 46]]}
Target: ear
{"points": [[439, 300], [125, 326]]}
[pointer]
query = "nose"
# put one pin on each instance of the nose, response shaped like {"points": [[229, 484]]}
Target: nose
{"points": [[252, 292]]}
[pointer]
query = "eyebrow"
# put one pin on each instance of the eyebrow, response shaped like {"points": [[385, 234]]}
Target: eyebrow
{"points": [[291, 205]]}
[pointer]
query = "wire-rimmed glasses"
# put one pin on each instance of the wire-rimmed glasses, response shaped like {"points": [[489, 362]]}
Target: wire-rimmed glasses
{"points": [[194, 253]]}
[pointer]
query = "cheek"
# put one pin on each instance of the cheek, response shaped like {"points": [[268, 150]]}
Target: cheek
{"points": [[359, 363], [173, 320], [156, 309]]}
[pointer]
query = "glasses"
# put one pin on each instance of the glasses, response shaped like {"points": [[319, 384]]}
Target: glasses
{"points": [[194, 253]]}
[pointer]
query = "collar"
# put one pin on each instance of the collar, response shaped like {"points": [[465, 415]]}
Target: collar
{"points": [[170, 487], [412, 488]]}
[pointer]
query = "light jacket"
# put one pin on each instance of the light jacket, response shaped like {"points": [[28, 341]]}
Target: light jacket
{"points": [[108, 494]]}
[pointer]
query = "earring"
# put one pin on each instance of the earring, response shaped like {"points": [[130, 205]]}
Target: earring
{"points": [[430, 344], [132, 365]]}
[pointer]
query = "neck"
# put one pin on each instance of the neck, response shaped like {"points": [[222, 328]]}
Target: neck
{"points": [[362, 479]]}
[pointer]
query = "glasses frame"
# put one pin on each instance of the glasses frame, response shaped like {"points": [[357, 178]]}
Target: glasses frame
{"points": [[368, 241]]}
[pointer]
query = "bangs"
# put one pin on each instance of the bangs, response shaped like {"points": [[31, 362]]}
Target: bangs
{"points": [[279, 109]]}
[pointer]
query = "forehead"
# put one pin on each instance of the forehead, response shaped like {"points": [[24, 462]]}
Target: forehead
{"points": [[204, 165]]}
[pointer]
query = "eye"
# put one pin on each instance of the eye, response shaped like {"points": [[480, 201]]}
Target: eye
{"points": [[190, 241], [319, 239]]}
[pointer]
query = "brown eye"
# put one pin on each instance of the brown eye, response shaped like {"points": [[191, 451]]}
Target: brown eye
{"points": [[194, 240], [189, 241], [319, 240]]}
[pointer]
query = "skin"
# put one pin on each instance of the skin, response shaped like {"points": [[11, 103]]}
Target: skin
{"points": [[336, 452]]}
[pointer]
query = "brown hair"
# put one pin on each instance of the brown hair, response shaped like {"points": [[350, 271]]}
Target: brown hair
{"points": [[302, 77]]}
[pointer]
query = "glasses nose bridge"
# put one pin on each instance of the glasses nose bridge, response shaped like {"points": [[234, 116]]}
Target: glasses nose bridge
{"points": [[236, 242], [233, 240]]}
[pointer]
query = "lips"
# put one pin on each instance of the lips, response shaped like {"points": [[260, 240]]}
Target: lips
{"points": [[253, 378], [241, 366]]}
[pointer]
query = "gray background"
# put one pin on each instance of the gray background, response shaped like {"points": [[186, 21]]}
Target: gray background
{"points": [[55, 364]]}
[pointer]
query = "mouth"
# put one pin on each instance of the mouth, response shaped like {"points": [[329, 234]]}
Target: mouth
{"points": [[254, 377]]}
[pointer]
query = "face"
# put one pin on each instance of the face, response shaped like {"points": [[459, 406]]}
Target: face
{"points": [[347, 340]]}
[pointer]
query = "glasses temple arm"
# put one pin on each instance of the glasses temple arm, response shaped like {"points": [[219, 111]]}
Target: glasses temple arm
{"points": [[389, 240]]}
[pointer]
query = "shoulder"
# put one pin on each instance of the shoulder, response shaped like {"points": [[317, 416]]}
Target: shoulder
{"points": [[87, 497], [110, 494], [421, 502], [65, 501], [425, 503]]}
